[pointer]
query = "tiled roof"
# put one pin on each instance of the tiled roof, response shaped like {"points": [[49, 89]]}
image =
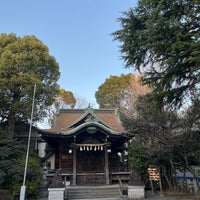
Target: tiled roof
{"points": [[68, 118]]}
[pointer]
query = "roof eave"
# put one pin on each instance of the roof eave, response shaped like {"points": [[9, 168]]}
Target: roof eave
{"points": [[78, 128]]}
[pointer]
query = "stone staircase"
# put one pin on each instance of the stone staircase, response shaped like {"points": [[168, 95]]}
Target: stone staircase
{"points": [[109, 192]]}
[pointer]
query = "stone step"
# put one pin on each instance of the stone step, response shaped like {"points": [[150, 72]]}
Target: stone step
{"points": [[93, 192], [101, 199]]}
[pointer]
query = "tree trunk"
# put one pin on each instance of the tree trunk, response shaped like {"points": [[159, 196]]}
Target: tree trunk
{"points": [[183, 181], [195, 180], [167, 179], [174, 180], [11, 126], [192, 171]]}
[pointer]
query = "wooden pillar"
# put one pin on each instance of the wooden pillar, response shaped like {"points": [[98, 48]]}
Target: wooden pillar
{"points": [[60, 155], [74, 166], [106, 165]]}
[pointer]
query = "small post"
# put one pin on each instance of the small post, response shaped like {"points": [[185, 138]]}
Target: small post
{"points": [[160, 183], [152, 190]]}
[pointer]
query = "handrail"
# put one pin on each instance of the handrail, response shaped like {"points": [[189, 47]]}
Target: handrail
{"points": [[120, 184], [122, 187]]}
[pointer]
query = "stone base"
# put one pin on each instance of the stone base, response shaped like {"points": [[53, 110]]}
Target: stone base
{"points": [[56, 193], [136, 192]]}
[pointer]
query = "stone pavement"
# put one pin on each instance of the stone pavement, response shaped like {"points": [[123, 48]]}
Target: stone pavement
{"points": [[157, 196], [168, 196]]}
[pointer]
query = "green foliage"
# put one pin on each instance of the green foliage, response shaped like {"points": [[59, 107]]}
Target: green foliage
{"points": [[153, 142], [10, 151], [12, 162], [163, 38], [66, 98], [24, 62], [139, 159], [120, 92], [187, 146], [32, 180], [164, 138], [111, 92]]}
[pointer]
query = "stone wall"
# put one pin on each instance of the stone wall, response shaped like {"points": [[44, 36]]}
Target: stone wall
{"points": [[136, 192], [56, 193]]}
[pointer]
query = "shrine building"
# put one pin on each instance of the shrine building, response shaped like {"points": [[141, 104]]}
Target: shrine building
{"points": [[87, 146]]}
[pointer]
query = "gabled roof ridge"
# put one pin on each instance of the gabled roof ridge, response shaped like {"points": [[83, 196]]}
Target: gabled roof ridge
{"points": [[67, 110], [79, 119], [103, 126], [91, 112]]}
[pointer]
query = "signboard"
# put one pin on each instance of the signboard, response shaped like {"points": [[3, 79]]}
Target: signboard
{"points": [[153, 173]]}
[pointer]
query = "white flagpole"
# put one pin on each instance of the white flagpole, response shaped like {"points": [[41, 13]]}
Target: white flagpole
{"points": [[23, 187]]}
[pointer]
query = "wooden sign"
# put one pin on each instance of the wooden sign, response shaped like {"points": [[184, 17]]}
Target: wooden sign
{"points": [[153, 174]]}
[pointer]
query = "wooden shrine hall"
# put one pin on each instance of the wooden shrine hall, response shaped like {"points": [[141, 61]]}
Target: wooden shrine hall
{"points": [[87, 146]]}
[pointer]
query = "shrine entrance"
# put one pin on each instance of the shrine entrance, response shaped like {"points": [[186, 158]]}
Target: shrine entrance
{"points": [[90, 164], [90, 168], [90, 161], [85, 144]]}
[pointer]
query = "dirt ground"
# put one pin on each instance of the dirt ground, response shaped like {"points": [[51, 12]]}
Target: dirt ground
{"points": [[170, 196]]}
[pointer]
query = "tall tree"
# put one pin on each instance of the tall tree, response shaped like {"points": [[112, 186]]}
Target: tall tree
{"points": [[154, 134], [120, 92], [167, 139], [64, 99], [111, 92], [24, 62], [187, 147], [163, 37], [134, 90]]}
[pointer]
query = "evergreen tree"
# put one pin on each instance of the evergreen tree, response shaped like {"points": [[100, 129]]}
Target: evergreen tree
{"points": [[162, 38], [24, 62]]}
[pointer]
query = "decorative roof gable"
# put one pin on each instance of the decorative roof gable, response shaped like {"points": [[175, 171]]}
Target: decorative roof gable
{"points": [[88, 116]]}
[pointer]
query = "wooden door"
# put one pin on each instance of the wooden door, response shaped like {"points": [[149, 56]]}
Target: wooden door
{"points": [[90, 161]]}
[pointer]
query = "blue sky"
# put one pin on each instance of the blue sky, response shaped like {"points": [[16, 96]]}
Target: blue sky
{"points": [[77, 33]]}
